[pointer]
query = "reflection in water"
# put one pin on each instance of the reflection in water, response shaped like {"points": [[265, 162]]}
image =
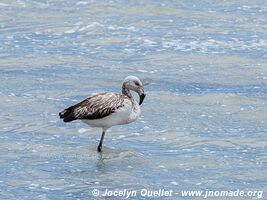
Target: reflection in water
{"points": [[100, 162]]}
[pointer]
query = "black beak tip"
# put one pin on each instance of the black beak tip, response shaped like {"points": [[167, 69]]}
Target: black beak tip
{"points": [[142, 97]]}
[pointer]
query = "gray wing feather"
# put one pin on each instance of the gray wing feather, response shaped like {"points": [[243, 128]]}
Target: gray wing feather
{"points": [[95, 107]]}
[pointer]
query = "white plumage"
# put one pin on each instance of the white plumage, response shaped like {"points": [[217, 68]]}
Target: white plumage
{"points": [[125, 114], [108, 109]]}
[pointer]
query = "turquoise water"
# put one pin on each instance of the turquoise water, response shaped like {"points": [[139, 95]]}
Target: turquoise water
{"points": [[203, 123]]}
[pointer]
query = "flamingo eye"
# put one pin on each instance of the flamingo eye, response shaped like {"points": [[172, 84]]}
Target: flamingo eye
{"points": [[136, 83]]}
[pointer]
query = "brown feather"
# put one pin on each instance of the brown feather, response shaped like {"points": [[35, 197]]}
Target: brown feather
{"points": [[94, 107]]}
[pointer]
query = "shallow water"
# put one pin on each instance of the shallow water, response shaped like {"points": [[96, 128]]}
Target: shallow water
{"points": [[203, 123]]}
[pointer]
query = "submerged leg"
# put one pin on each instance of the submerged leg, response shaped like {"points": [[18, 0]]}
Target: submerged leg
{"points": [[99, 148]]}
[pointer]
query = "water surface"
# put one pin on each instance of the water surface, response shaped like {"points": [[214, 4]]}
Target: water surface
{"points": [[203, 123]]}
